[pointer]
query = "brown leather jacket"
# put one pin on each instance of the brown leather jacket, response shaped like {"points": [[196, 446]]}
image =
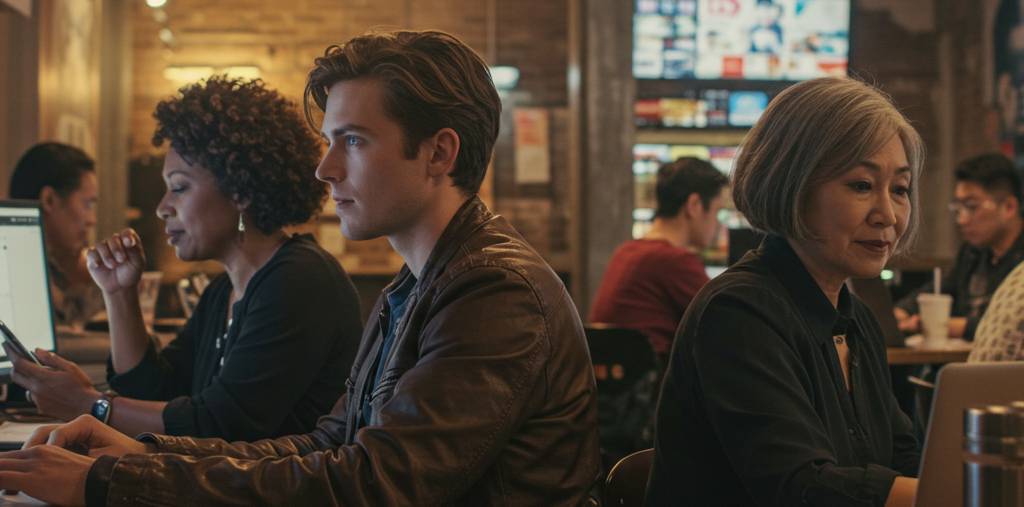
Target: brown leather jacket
{"points": [[487, 398]]}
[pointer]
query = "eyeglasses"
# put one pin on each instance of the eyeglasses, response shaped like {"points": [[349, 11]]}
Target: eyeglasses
{"points": [[969, 208]]}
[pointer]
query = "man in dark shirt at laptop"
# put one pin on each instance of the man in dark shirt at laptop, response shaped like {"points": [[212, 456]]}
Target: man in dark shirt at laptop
{"points": [[472, 384], [650, 281], [987, 208]]}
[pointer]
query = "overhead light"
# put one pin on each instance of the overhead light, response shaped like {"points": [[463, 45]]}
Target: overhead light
{"points": [[166, 35], [505, 77], [156, 4]]}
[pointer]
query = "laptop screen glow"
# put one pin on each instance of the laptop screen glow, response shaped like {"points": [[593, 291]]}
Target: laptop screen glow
{"points": [[24, 286]]}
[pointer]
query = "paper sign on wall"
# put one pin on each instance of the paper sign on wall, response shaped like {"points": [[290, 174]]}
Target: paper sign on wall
{"points": [[533, 159]]}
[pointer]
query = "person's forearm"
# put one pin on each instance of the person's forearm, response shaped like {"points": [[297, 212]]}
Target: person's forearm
{"points": [[132, 417], [902, 493], [957, 327], [128, 337]]}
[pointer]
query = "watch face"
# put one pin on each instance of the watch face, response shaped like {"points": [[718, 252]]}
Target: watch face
{"points": [[101, 409]]}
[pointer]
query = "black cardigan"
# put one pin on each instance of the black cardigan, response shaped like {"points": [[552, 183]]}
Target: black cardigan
{"points": [[754, 409], [288, 352]]}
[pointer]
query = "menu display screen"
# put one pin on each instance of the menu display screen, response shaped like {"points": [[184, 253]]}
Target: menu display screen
{"points": [[784, 40]]}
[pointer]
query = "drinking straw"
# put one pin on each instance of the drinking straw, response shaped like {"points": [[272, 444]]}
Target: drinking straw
{"points": [[937, 274]]}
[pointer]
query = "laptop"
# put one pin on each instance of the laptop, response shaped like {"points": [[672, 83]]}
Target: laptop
{"points": [[960, 386], [25, 304], [874, 294]]}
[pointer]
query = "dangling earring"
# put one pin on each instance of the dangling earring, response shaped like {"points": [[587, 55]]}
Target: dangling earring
{"points": [[241, 223]]}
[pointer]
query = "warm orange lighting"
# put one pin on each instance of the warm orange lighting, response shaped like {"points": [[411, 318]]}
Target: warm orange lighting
{"points": [[191, 73]]}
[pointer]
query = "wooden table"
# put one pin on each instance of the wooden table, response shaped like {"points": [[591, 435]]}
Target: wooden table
{"points": [[956, 352]]}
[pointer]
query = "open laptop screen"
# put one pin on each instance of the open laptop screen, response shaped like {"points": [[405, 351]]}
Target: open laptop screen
{"points": [[24, 283]]}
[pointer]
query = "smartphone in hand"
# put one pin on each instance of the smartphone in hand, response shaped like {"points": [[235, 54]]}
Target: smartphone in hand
{"points": [[9, 337]]}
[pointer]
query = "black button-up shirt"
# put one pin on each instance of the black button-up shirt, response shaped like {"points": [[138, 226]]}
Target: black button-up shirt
{"points": [[754, 409], [971, 282]]}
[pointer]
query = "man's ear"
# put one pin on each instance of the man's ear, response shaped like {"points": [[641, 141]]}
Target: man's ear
{"points": [[444, 150], [1012, 206], [694, 205], [49, 199]]}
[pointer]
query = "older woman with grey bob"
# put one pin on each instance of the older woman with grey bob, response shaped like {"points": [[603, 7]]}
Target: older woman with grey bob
{"points": [[777, 392]]}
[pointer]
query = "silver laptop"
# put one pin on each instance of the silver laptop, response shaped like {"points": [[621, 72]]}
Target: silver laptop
{"points": [[24, 280], [960, 385]]}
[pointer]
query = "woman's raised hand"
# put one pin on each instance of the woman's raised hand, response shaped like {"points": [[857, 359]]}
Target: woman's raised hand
{"points": [[117, 263]]}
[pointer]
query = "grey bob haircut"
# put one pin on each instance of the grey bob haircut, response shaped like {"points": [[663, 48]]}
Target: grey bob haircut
{"points": [[810, 133]]}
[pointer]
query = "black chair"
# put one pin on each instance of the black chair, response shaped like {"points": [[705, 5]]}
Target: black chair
{"points": [[627, 373], [627, 480]]}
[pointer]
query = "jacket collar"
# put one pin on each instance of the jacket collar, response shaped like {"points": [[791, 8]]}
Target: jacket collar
{"points": [[471, 215], [817, 311]]}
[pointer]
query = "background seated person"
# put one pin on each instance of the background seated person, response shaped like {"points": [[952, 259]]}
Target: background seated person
{"points": [[650, 281], [1000, 334], [987, 207], [474, 387], [63, 179], [266, 351], [778, 389]]}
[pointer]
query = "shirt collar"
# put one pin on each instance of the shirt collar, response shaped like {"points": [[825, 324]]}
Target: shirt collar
{"points": [[824, 320], [398, 291]]}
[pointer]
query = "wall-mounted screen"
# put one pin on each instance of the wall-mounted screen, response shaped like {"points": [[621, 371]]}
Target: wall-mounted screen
{"points": [[746, 107], [784, 40]]}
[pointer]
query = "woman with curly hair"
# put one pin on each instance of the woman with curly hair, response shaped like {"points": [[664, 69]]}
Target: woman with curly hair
{"points": [[269, 346]]}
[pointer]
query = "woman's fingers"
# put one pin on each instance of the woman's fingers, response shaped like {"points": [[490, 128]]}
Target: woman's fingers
{"points": [[106, 256]]}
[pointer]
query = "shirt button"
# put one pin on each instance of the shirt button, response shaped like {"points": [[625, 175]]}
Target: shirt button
{"points": [[852, 431]]}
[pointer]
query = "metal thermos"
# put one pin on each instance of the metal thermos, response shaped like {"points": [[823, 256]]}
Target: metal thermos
{"points": [[994, 456]]}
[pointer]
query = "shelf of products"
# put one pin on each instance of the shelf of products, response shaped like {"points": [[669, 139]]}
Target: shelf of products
{"points": [[705, 72]]}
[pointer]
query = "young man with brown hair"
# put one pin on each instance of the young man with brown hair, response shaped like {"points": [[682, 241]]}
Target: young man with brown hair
{"points": [[472, 385], [650, 281]]}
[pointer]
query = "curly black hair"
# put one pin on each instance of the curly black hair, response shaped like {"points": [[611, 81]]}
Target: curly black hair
{"points": [[255, 143]]}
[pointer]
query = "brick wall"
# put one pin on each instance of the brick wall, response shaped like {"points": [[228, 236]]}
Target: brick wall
{"points": [[282, 42], [930, 56]]}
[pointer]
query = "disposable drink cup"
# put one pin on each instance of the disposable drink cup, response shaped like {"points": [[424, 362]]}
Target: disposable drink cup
{"points": [[934, 311]]}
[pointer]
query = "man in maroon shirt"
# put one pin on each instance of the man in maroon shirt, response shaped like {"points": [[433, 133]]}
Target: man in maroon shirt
{"points": [[650, 281]]}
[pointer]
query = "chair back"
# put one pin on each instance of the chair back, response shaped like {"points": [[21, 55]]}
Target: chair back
{"points": [[621, 357], [627, 480], [626, 371]]}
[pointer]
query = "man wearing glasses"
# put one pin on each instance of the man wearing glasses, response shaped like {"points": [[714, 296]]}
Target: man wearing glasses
{"points": [[987, 208]]}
